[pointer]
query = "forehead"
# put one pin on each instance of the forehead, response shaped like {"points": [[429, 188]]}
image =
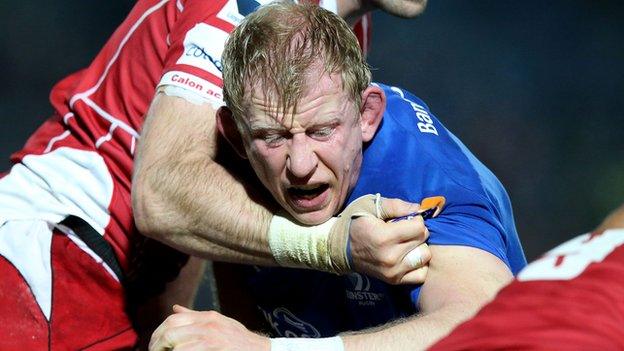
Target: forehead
{"points": [[323, 98]]}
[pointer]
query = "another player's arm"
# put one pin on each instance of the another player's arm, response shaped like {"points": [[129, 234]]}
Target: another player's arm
{"points": [[182, 197], [460, 280], [614, 220]]}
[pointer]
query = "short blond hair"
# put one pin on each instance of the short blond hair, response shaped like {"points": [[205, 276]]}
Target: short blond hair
{"points": [[277, 46]]}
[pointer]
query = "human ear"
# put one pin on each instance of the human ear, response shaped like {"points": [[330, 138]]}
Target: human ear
{"points": [[372, 110], [228, 129]]}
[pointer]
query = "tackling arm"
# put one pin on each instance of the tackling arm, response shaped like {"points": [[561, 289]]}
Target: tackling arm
{"points": [[185, 199]]}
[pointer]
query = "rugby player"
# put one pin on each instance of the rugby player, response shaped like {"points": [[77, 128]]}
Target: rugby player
{"points": [[71, 258], [300, 107], [568, 299]]}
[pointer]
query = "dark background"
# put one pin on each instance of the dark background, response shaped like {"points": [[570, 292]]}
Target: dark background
{"points": [[534, 88]]}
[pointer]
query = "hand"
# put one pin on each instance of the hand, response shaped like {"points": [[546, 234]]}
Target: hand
{"points": [[394, 252], [204, 330]]}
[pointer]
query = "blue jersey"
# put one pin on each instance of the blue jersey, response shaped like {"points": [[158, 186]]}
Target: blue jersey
{"points": [[412, 156]]}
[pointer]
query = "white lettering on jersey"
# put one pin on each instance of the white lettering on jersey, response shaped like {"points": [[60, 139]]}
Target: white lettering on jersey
{"points": [[203, 47], [199, 86], [570, 259], [425, 124]]}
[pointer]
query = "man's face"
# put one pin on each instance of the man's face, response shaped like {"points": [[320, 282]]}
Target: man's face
{"points": [[309, 161]]}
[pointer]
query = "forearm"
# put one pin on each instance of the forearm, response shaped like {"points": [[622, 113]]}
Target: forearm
{"points": [[460, 281], [414, 333], [185, 199]]}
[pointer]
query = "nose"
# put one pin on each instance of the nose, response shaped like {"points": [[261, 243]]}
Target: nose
{"points": [[302, 159]]}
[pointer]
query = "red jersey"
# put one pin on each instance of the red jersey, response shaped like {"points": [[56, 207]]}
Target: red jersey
{"points": [[80, 161], [572, 298]]}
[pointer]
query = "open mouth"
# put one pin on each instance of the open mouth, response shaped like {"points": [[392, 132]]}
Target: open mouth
{"points": [[307, 192]]}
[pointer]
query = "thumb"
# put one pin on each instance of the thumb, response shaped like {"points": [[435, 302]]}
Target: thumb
{"points": [[179, 309], [393, 208]]}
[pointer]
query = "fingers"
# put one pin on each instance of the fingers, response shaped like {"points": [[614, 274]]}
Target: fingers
{"points": [[179, 336], [418, 257], [416, 276], [166, 334], [393, 208], [413, 230], [411, 267], [199, 345]]}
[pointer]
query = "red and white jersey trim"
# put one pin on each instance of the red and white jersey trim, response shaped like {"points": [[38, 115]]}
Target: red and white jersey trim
{"points": [[56, 184]]}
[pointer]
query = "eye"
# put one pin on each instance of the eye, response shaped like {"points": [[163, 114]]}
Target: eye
{"points": [[273, 139], [322, 133]]}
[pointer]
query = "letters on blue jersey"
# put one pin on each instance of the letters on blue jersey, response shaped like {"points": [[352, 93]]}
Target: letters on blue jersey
{"points": [[411, 157]]}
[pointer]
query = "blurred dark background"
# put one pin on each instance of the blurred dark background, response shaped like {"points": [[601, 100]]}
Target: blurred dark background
{"points": [[534, 88]]}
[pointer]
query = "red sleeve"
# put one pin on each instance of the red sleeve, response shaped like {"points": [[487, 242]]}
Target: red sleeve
{"points": [[196, 45]]}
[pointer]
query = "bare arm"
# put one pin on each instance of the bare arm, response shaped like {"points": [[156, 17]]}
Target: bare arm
{"points": [[185, 199], [459, 282], [614, 220]]}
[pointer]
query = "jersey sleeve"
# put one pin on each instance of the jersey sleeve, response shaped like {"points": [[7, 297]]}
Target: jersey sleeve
{"points": [[196, 44], [467, 220]]}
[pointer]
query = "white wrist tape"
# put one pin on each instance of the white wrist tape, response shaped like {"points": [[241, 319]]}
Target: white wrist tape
{"points": [[307, 344], [294, 245]]}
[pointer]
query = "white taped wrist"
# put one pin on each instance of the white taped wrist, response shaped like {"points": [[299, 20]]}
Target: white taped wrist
{"points": [[294, 245], [307, 344]]}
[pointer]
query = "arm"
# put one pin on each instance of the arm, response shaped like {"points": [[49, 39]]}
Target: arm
{"points": [[179, 193], [184, 198], [459, 282]]}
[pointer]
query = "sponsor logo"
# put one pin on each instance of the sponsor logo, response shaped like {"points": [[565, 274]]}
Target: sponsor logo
{"points": [[197, 85], [197, 51], [287, 325], [425, 124], [203, 47], [360, 292], [229, 13]]}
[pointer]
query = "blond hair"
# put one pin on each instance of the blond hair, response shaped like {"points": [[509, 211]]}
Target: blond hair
{"points": [[275, 49]]}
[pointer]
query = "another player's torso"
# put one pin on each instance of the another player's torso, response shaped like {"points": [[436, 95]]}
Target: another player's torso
{"points": [[568, 299], [84, 153], [82, 158]]}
